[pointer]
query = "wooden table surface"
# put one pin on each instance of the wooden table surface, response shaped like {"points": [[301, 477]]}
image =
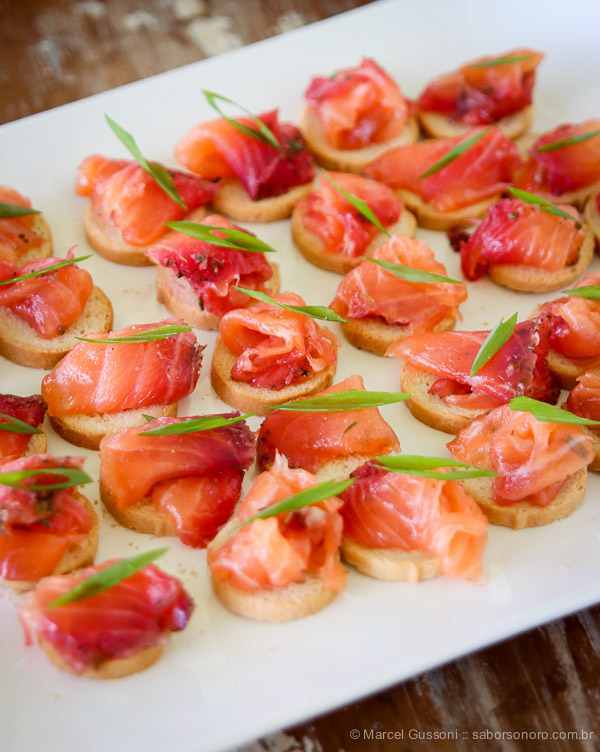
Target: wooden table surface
{"points": [[56, 51]]}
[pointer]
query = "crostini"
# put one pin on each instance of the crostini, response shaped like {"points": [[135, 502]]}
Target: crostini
{"points": [[99, 388], [25, 236], [490, 90], [406, 528], [450, 181], [184, 484], [258, 181], [118, 631], [592, 214], [127, 209], [332, 234], [436, 372], [43, 313], [328, 444], [21, 429], [44, 532], [563, 164], [542, 467], [266, 355], [354, 116], [523, 247], [197, 280], [382, 308], [282, 567]]}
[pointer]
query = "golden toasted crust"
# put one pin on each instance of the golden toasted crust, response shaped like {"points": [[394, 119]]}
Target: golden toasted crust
{"points": [[294, 601], [88, 430], [179, 297], [81, 554], [429, 408], [143, 517], [522, 514], [108, 241], [349, 160], [393, 564], [114, 668], [248, 398], [528, 279], [565, 369], [37, 443], [432, 219], [20, 342], [594, 432], [376, 336], [313, 250], [233, 200], [592, 215], [42, 251], [441, 126]]}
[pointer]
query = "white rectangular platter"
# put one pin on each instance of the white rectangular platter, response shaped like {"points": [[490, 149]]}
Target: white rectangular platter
{"points": [[226, 680]]}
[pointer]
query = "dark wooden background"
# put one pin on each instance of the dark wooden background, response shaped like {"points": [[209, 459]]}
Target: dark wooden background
{"points": [[56, 51]]}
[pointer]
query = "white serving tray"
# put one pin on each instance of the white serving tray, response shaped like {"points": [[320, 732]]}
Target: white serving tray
{"points": [[226, 680]]}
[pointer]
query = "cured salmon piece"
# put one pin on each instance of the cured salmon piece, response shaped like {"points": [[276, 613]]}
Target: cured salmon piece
{"points": [[584, 398], [575, 322], [195, 479], [30, 410], [213, 271], [369, 291], [216, 149], [358, 106], [277, 551], [99, 379], [124, 195], [518, 368], [533, 459], [199, 505], [476, 95], [481, 171], [48, 303], [565, 169], [392, 510], [119, 622], [276, 347], [17, 235], [37, 528], [518, 233], [309, 440], [341, 227]]}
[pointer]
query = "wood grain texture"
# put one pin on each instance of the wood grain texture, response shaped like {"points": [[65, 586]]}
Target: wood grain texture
{"points": [[55, 51]]}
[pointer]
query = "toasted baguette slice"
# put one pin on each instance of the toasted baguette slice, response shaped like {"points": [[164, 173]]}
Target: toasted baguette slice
{"points": [[313, 250], [376, 336], [248, 398], [429, 408], [567, 370], [143, 516], [88, 430], [108, 241], [81, 554], [528, 279], [115, 668], [233, 201], [37, 443], [349, 160], [393, 564], [592, 215], [521, 514], [594, 432], [42, 251], [432, 219], [181, 300], [294, 601], [441, 126], [20, 343]]}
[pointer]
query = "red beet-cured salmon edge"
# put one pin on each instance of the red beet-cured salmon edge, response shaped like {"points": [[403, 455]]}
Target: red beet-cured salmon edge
{"points": [[80, 555]]}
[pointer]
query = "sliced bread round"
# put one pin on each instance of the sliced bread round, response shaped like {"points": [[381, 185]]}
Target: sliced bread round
{"points": [[143, 516], [432, 219], [441, 126], [393, 564], [349, 160], [233, 200], [592, 215]]}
